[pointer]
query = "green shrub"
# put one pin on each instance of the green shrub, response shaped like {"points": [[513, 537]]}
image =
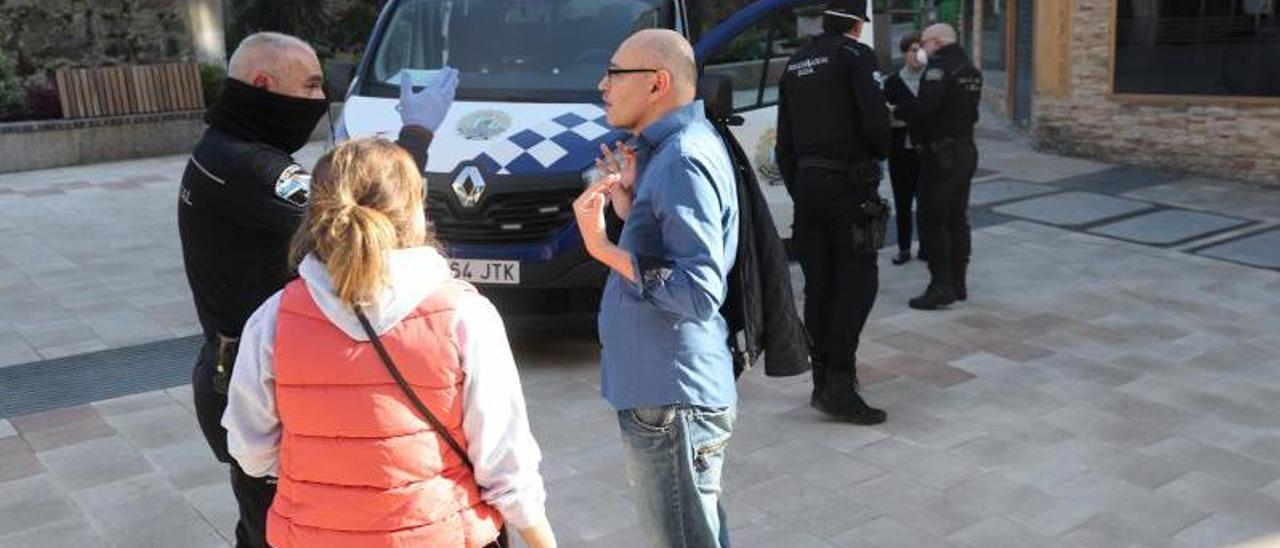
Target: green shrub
{"points": [[12, 93], [212, 77]]}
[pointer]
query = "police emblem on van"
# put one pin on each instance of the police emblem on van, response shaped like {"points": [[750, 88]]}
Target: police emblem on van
{"points": [[483, 125], [469, 186]]}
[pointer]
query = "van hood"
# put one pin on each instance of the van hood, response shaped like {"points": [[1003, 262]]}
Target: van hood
{"points": [[501, 138]]}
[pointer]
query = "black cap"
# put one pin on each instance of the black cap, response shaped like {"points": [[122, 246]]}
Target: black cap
{"points": [[853, 9]]}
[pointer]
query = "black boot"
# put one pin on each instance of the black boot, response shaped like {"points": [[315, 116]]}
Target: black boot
{"points": [[958, 278], [851, 408], [939, 294]]}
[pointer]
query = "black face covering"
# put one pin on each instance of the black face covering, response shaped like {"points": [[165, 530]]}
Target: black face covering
{"points": [[253, 113]]}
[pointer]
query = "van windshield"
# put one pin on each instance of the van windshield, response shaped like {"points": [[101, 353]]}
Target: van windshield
{"points": [[522, 50]]}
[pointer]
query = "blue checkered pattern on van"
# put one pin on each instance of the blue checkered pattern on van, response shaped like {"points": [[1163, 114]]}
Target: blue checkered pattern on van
{"points": [[569, 142]]}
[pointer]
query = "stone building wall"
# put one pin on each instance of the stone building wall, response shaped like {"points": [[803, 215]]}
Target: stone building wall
{"points": [[1224, 138], [44, 35]]}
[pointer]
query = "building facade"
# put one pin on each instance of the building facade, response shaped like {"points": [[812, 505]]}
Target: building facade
{"points": [[1185, 85]]}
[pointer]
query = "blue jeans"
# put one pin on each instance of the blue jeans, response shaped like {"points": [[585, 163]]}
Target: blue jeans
{"points": [[674, 459]]}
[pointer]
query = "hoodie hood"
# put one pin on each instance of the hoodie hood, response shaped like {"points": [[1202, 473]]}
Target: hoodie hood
{"points": [[414, 274]]}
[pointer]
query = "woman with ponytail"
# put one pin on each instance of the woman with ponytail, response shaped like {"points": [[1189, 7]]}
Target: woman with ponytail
{"points": [[378, 389]]}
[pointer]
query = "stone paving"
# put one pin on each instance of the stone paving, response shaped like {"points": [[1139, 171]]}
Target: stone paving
{"points": [[1094, 391]]}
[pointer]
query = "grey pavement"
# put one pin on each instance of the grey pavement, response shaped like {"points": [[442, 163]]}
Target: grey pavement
{"points": [[1112, 380]]}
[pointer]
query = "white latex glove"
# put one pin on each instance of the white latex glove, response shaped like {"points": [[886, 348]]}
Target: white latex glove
{"points": [[427, 108]]}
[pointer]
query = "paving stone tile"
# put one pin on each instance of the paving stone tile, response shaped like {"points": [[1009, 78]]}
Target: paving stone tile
{"points": [[216, 504], [1228, 465], [812, 462], [1105, 428], [1257, 250], [17, 460], [1168, 227], [146, 511], [126, 327], [1071, 208], [93, 462], [6, 429], [771, 533], [993, 494], [596, 510], [30, 503], [909, 502], [156, 427], [1221, 496], [805, 505], [64, 534], [1001, 533], [1003, 190], [134, 402], [59, 427], [1220, 530], [56, 334], [932, 468], [1110, 530], [889, 533], [1165, 513]]}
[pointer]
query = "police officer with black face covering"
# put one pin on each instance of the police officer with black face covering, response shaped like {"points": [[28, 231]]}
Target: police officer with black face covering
{"points": [[833, 130], [945, 111], [242, 197]]}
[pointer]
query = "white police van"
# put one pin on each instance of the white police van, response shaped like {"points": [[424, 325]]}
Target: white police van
{"points": [[506, 163]]}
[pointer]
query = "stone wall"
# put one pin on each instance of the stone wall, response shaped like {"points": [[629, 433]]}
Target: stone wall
{"points": [[48, 34], [1224, 138]]}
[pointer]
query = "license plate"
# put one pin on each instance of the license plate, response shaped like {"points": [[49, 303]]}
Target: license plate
{"points": [[486, 272]]}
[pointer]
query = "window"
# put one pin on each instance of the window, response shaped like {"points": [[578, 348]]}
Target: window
{"points": [[1197, 47], [756, 58], [508, 49], [995, 55]]}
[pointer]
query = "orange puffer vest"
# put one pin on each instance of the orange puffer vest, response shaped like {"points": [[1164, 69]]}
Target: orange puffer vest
{"points": [[358, 466]]}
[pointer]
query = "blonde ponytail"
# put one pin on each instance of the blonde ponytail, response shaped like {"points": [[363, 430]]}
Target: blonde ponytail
{"points": [[365, 197]]}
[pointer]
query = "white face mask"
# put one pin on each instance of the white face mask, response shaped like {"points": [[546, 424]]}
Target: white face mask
{"points": [[922, 57]]}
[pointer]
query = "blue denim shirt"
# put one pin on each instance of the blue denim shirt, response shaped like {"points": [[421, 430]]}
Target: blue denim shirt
{"points": [[664, 339]]}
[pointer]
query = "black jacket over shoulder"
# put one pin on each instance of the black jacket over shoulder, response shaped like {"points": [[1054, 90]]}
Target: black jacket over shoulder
{"points": [[238, 208], [760, 307]]}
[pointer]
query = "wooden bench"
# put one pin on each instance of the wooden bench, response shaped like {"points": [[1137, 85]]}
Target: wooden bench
{"points": [[119, 91]]}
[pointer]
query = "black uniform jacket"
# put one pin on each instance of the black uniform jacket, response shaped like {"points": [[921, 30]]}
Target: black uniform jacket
{"points": [[238, 208], [950, 92], [830, 105]]}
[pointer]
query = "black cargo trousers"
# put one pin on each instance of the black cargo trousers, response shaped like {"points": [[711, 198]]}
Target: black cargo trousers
{"points": [[946, 175], [840, 279], [253, 495]]}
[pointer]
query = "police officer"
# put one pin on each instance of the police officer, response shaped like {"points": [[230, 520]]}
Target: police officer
{"points": [[833, 129], [945, 111], [241, 198]]}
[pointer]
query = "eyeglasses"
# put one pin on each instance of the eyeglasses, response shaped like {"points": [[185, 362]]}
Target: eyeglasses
{"points": [[610, 72]]}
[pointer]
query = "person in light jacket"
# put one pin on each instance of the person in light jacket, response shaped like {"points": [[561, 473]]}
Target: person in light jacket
{"points": [[311, 402]]}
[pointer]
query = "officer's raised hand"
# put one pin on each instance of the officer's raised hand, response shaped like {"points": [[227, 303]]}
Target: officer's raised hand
{"points": [[428, 107]]}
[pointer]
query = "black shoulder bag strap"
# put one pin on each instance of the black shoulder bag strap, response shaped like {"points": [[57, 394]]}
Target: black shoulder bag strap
{"points": [[503, 539], [408, 390]]}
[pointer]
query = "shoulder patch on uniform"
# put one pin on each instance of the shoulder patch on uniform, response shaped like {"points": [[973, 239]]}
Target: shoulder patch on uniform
{"points": [[293, 185], [934, 74]]}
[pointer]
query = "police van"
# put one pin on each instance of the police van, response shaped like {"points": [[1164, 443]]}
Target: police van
{"points": [[508, 161]]}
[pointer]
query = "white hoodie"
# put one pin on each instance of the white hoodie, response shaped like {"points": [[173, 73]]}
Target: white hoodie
{"points": [[499, 442]]}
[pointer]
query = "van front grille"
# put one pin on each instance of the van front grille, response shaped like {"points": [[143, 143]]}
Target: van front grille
{"points": [[514, 218]]}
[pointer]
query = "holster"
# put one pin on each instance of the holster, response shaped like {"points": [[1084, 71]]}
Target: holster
{"points": [[225, 361], [870, 224]]}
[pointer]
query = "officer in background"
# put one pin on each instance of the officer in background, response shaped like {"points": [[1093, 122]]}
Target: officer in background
{"points": [[242, 197], [833, 130], [945, 111]]}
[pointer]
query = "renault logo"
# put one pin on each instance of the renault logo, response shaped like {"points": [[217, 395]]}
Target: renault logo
{"points": [[469, 186]]}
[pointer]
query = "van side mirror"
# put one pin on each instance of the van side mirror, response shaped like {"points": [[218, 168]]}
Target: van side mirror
{"points": [[716, 92], [337, 79]]}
